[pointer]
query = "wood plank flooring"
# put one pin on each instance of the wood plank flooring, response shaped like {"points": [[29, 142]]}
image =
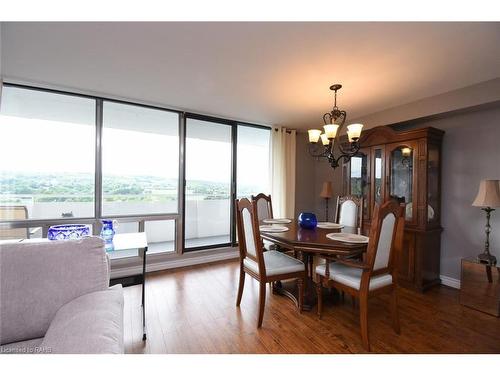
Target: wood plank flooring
{"points": [[192, 310]]}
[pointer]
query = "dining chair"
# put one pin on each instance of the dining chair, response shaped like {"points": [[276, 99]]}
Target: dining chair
{"points": [[264, 206], [350, 211], [8, 213], [264, 211], [376, 274], [265, 267]]}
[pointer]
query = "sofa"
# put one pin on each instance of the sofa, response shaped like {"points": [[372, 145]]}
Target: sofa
{"points": [[55, 298]]}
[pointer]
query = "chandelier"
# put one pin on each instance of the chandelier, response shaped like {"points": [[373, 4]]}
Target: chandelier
{"points": [[334, 122]]}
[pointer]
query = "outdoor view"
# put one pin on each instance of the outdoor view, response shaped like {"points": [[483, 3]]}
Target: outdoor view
{"points": [[47, 164]]}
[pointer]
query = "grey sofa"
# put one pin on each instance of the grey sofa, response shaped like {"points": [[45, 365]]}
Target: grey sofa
{"points": [[55, 298]]}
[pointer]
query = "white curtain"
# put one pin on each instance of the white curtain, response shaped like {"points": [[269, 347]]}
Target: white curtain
{"points": [[283, 172]]}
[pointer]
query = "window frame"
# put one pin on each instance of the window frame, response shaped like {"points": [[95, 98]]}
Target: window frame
{"points": [[179, 217]]}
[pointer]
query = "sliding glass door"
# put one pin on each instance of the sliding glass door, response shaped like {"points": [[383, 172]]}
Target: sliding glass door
{"points": [[208, 184]]}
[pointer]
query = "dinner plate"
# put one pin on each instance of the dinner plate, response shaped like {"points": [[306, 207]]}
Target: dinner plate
{"points": [[277, 221], [328, 225], [347, 237], [273, 228]]}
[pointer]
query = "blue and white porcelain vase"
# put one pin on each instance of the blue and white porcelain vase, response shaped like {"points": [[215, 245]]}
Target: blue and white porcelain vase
{"points": [[308, 220]]}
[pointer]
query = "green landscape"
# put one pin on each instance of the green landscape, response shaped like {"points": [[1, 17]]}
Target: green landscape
{"points": [[79, 187]]}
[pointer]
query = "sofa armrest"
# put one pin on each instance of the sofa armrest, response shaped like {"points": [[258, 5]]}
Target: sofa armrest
{"points": [[37, 278]]}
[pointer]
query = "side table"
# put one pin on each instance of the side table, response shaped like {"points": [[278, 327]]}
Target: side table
{"points": [[128, 241], [480, 286]]}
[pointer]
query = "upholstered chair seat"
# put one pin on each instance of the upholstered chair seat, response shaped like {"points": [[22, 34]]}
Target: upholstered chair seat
{"points": [[276, 264], [351, 276]]}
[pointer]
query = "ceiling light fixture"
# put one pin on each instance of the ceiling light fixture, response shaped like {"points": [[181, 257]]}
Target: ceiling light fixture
{"points": [[334, 122]]}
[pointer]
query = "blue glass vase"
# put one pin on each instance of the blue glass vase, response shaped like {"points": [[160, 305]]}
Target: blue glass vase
{"points": [[308, 220], [107, 231]]}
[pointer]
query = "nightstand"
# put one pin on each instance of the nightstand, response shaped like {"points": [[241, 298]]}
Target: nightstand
{"points": [[480, 286]]}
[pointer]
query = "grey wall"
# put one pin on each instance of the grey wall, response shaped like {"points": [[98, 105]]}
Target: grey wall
{"points": [[311, 174], [471, 152]]}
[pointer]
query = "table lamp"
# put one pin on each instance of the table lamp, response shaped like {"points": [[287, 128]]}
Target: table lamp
{"points": [[487, 197], [326, 193]]}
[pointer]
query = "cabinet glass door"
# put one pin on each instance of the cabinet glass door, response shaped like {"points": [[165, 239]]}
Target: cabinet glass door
{"points": [[433, 196], [378, 175], [401, 177], [359, 180]]}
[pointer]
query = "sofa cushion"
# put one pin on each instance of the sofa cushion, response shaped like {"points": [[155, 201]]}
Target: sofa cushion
{"points": [[24, 347], [37, 278], [92, 323]]}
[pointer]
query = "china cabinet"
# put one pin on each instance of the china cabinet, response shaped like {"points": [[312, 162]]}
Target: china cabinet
{"points": [[403, 165]]}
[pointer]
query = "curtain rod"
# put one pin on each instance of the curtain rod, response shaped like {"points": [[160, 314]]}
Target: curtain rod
{"points": [[288, 131]]}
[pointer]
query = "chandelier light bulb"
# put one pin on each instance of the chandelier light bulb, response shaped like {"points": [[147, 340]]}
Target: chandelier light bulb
{"points": [[324, 139], [354, 132], [314, 135], [331, 130]]}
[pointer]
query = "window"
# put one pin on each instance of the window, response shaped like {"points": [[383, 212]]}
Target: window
{"points": [[208, 183], [140, 160], [253, 161], [61, 161], [47, 155]]}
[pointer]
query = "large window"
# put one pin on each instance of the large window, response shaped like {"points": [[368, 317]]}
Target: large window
{"points": [[140, 160], [47, 155], [208, 183], [75, 158]]}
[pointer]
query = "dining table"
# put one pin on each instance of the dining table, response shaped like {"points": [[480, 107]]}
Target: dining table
{"points": [[305, 244]]}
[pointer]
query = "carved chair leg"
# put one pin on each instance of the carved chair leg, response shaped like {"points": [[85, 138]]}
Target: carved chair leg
{"points": [[320, 295], [262, 302], [394, 311], [363, 320], [301, 282], [241, 285]]}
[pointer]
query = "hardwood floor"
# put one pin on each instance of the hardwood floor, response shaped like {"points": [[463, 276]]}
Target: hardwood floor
{"points": [[192, 310]]}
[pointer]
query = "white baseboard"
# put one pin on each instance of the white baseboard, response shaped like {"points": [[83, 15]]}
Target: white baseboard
{"points": [[174, 263], [449, 281]]}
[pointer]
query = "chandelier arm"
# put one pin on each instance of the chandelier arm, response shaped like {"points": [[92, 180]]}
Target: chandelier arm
{"points": [[346, 156], [318, 154], [325, 116]]}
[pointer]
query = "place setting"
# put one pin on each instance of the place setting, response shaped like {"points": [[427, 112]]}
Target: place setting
{"points": [[272, 225], [348, 237], [329, 225]]}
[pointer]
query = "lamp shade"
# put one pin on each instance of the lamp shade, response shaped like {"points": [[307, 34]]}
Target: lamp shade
{"points": [[324, 139], [327, 191], [488, 194], [314, 135]]}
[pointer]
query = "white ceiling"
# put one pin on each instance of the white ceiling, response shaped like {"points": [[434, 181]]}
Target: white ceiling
{"points": [[269, 73]]}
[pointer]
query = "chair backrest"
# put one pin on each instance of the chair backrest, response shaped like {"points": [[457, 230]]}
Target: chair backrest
{"points": [[350, 211], [249, 241], [8, 213], [264, 206], [386, 235]]}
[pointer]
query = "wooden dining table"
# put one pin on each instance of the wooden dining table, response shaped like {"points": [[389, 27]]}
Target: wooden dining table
{"points": [[306, 243]]}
